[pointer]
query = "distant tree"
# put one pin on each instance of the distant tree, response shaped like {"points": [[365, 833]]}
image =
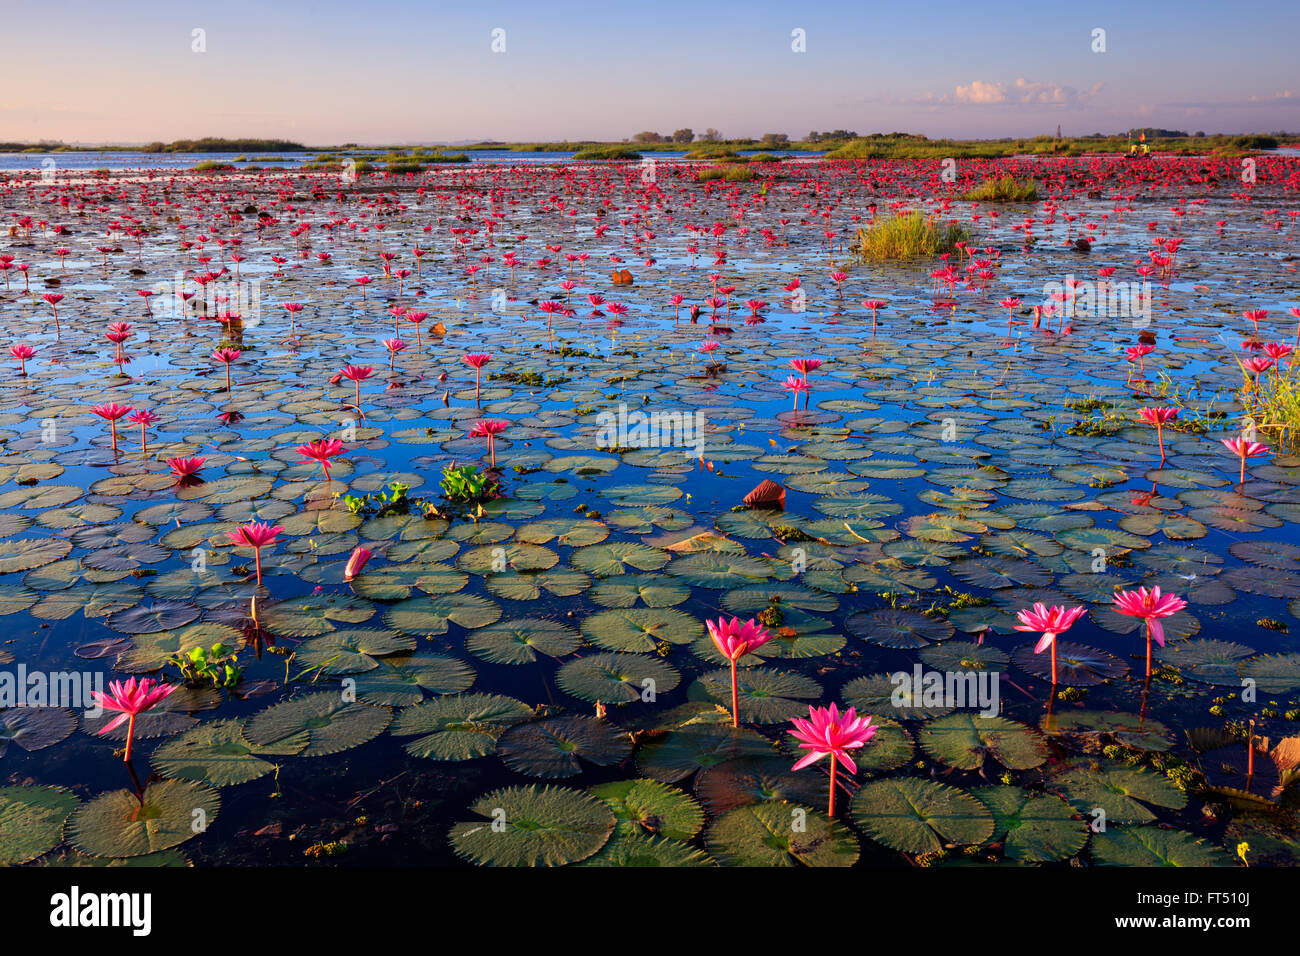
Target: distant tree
{"points": [[774, 139], [813, 137], [648, 136], [684, 135], [711, 135]]}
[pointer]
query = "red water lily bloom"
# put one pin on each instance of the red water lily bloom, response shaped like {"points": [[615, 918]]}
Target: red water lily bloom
{"points": [[1150, 606], [1051, 623], [185, 469], [1243, 449], [322, 450], [489, 428], [22, 353], [476, 361], [129, 701], [111, 412], [256, 535], [357, 374], [1159, 417], [828, 733], [734, 639]]}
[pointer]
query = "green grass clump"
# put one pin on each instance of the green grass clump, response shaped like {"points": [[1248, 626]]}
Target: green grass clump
{"points": [[731, 174], [402, 167], [1004, 189], [607, 152], [1274, 406], [910, 236], [211, 166]]}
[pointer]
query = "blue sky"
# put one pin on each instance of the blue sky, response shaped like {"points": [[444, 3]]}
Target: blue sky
{"points": [[389, 71]]}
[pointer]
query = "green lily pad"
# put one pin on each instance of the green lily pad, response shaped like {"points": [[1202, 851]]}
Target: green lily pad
{"points": [[521, 640], [617, 678], [920, 816], [640, 849], [531, 826], [551, 748], [1033, 828], [117, 824], [1153, 846], [640, 629], [766, 695], [651, 808], [965, 741], [776, 833], [1122, 792], [459, 727], [331, 724], [217, 753], [31, 821], [351, 652]]}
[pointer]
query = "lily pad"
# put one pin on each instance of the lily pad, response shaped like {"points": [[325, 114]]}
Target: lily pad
{"points": [[531, 826], [117, 824], [920, 816]]}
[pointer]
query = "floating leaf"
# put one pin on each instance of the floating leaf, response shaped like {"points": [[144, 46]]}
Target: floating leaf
{"points": [[761, 834], [550, 826], [616, 678], [551, 748], [117, 824], [1033, 828], [31, 821], [920, 816], [458, 727], [1153, 846], [965, 741], [521, 640], [217, 753], [331, 724]]}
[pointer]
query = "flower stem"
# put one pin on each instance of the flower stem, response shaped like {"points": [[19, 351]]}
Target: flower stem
{"points": [[831, 811], [735, 697]]}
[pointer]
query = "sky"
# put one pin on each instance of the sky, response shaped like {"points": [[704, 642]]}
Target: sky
{"points": [[402, 71]]}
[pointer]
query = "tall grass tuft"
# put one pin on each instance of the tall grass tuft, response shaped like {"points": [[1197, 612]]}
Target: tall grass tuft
{"points": [[912, 235], [1274, 406], [1004, 189]]}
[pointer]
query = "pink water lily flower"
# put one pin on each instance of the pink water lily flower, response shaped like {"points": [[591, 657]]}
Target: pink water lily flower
{"points": [[1244, 448], [185, 469], [322, 450], [476, 361], [111, 412], [256, 535], [1051, 622], [129, 701], [805, 365], [828, 733], [489, 428], [1150, 606], [356, 561], [1159, 417], [734, 639]]}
